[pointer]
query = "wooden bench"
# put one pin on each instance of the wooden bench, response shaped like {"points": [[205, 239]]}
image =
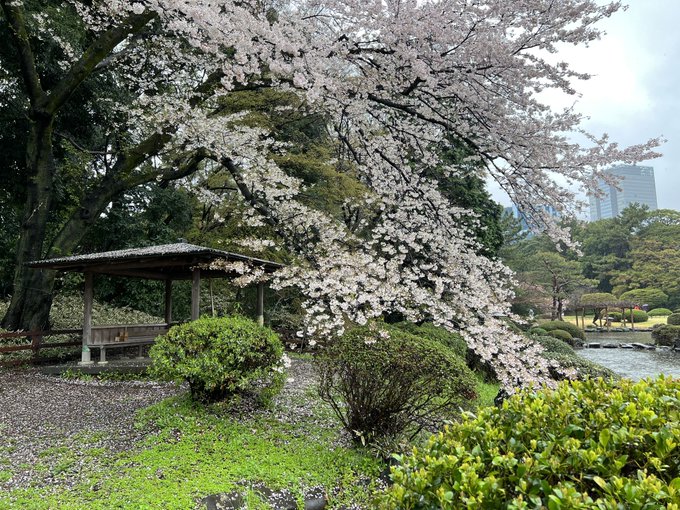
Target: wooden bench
{"points": [[104, 337]]}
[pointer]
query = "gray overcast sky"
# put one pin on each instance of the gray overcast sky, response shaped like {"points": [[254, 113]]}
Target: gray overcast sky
{"points": [[634, 94]]}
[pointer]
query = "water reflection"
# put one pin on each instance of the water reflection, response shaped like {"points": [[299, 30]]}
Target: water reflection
{"points": [[634, 364]]}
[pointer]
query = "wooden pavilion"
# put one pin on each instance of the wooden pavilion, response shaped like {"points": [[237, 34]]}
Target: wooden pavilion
{"points": [[604, 302], [169, 262]]}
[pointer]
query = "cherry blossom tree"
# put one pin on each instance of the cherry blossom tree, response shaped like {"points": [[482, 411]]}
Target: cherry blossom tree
{"points": [[396, 80]]}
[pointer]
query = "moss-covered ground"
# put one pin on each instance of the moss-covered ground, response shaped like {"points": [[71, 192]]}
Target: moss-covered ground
{"points": [[190, 451]]}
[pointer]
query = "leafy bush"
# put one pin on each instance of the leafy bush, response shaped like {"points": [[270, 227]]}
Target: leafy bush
{"points": [[382, 381], [217, 356], [512, 326], [585, 369], [615, 316], [590, 444], [573, 329], [537, 331], [666, 335], [638, 316], [428, 330], [652, 297], [555, 345], [673, 319], [561, 334], [659, 312]]}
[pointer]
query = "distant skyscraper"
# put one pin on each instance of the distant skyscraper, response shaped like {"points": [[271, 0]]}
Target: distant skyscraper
{"points": [[637, 187], [514, 211]]}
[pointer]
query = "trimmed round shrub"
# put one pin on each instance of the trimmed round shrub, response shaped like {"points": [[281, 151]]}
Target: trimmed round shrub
{"points": [[638, 316], [588, 444], [664, 334], [615, 316], [538, 331], [651, 297], [428, 330], [673, 319], [659, 312], [555, 345], [560, 334], [573, 329], [217, 356], [383, 382]]}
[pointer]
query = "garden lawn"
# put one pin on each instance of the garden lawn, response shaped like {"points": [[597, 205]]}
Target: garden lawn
{"points": [[189, 451], [652, 321], [192, 451]]}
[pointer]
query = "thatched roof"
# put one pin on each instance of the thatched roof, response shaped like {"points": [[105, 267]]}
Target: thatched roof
{"points": [[167, 261]]}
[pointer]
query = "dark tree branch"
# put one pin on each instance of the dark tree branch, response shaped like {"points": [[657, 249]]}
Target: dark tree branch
{"points": [[92, 56], [15, 16], [112, 185], [78, 146]]}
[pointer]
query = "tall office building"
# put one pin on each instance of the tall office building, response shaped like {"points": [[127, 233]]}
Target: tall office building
{"points": [[637, 187], [524, 224]]}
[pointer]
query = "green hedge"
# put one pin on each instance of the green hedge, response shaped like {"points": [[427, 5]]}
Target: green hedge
{"points": [[659, 312], [555, 345], [673, 319], [217, 356], [561, 335], [573, 329], [654, 298], [615, 316], [593, 444], [537, 331], [666, 335], [638, 316]]}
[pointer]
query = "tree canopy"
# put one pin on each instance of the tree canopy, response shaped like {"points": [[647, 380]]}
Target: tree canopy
{"points": [[393, 84]]}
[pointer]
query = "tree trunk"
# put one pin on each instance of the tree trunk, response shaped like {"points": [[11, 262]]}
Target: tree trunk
{"points": [[559, 309], [32, 294], [553, 310], [32, 289]]}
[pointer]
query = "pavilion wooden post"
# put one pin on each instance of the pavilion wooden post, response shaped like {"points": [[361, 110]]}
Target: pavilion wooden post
{"points": [[88, 294], [607, 322], [632, 320], [168, 301], [260, 304], [195, 294]]}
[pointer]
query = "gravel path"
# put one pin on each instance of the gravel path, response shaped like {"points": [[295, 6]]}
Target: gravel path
{"points": [[50, 426], [53, 431]]}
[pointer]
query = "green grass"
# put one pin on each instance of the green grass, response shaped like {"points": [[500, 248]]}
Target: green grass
{"points": [[589, 321], [486, 392], [192, 451], [198, 451], [112, 376]]}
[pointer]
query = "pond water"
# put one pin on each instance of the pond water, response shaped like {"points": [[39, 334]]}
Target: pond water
{"points": [[632, 363]]}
